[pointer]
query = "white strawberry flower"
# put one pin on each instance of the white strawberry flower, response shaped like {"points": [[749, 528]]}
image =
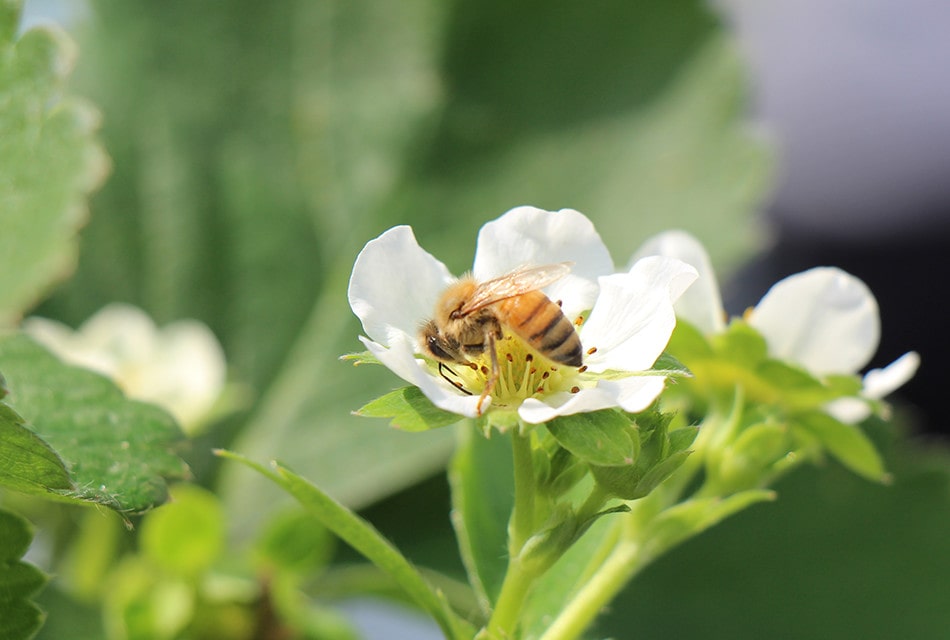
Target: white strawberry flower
{"points": [[180, 367], [823, 319], [627, 317]]}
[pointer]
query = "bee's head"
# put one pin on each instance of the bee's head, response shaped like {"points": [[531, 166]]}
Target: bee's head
{"points": [[435, 344]]}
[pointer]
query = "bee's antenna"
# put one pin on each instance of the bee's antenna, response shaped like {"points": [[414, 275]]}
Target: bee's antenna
{"points": [[455, 383]]}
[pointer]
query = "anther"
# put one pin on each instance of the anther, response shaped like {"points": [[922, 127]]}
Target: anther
{"points": [[485, 370], [592, 351], [582, 369], [545, 375], [529, 357], [575, 389], [579, 320], [509, 357], [473, 366]]}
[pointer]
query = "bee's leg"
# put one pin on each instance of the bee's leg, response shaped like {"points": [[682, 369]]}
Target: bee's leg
{"points": [[454, 383], [495, 372]]}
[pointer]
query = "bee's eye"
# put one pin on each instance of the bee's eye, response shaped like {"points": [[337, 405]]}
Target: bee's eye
{"points": [[435, 348]]}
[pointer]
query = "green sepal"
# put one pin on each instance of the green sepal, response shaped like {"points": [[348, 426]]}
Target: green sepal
{"points": [[741, 343], [846, 442], [360, 357], [565, 528], [565, 470], [635, 482], [365, 539], [749, 461], [670, 366], [605, 437], [661, 453], [408, 409], [20, 618]]}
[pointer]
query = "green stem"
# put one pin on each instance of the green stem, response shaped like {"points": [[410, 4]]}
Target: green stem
{"points": [[521, 526], [581, 611], [507, 613], [593, 504]]}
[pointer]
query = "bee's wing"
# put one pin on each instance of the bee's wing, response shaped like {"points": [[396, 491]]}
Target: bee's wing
{"points": [[515, 283]]}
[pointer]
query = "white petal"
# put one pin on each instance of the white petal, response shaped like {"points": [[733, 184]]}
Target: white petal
{"points": [[188, 372], [68, 345], [531, 236], [849, 410], [823, 319], [395, 284], [879, 383], [400, 359], [536, 411], [631, 394], [633, 317], [701, 304]]}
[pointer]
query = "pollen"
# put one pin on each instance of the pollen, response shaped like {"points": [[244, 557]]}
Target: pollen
{"points": [[522, 373]]}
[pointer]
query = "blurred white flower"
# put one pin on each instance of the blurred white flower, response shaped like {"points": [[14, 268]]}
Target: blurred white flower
{"points": [[825, 320], [180, 367]]}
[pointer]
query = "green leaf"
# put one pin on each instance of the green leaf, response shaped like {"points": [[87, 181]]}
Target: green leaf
{"points": [[604, 437], [49, 163], [27, 463], [481, 476], [363, 537], [633, 118], [118, 451], [410, 410], [184, 536], [847, 443], [20, 618]]}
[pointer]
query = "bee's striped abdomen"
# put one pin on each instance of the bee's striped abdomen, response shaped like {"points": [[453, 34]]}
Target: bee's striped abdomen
{"points": [[540, 322]]}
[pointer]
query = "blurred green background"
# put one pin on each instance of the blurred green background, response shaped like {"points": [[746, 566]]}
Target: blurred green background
{"points": [[257, 146]]}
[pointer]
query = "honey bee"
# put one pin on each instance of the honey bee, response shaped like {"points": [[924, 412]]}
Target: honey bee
{"points": [[470, 317]]}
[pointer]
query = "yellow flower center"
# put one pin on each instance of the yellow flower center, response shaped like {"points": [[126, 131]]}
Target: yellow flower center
{"points": [[523, 372]]}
